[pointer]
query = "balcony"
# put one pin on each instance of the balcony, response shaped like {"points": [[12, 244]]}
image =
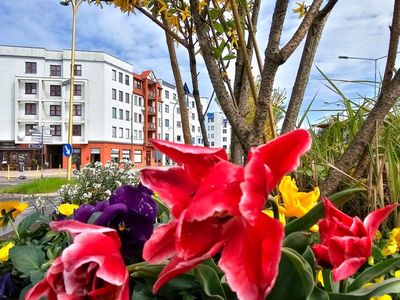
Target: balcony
{"points": [[152, 95], [152, 126], [152, 110]]}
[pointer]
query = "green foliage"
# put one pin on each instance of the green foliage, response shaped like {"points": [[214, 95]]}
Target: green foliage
{"points": [[37, 186]]}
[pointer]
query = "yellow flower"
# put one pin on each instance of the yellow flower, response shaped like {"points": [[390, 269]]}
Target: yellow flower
{"points": [[378, 235], [185, 13], [320, 278], [163, 6], [390, 248], [371, 260], [301, 9], [4, 251], [17, 207], [397, 274], [270, 213], [379, 279], [67, 209], [202, 3], [295, 203], [395, 235], [383, 297]]}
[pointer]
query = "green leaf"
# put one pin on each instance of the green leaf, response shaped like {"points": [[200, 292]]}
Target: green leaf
{"points": [[24, 291], [35, 276], [317, 212], [141, 291], [27, 222], [229, 57], [210, 282], [373, 272], [297, 241], [94, 217], [218, 27], [318, 294], [27, 258], [309, 257], [214, 13], [295, 279], [389, 286]]}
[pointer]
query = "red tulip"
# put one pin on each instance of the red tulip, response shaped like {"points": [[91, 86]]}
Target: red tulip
{"points": [[217, 206], [346, 242], [90, 268]]}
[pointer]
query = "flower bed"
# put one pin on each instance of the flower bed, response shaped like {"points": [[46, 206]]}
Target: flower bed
{"points": [[207, 229]]}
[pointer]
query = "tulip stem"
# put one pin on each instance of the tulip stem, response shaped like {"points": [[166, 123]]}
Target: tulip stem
{"points": [[343, 286], [275, 208], [14, 228]]}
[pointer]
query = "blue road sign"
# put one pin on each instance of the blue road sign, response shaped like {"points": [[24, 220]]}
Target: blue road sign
{"points": [[67, 150]]}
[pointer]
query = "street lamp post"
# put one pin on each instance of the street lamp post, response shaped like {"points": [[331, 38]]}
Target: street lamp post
{"points": [[375, 60]]}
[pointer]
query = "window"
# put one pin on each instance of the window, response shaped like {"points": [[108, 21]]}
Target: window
{"points": [[76, 130], [126, 154], [178, 111], [121, 132], [137, 84], [166, 108], [212, 144], [178, 138], [178, 124], [199, 141], [192, 104], [212, 135], [55, 90], [127, 79], [114, 75], [55, 70], [121, 96], [78, 70], [198, 129], [114, 113], [114, 94], [140, 101], [30, 108], [193, 141], [128, 136], [114, 132], [127, 117], [55, 130], [115, 155], [140, 134], [224, 139], [225, 124], [193, 129], [77, 90], [174, 96], [135, 134], [30, 67], [126, 97], [120, 76], [135, 100], [30, 88], [77, 110], [140, 118], [121, 114], [167, 94], [135, 117], [166, 123], [225, 146], [55, 110], [212, 127], [138, 156], [193, 116], [159, 107], [159, 122], [167, 136], [211, 119], [29, 128], [223, 130]]}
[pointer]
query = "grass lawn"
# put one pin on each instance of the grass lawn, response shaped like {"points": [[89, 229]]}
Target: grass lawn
{"points": [[38, 186]]}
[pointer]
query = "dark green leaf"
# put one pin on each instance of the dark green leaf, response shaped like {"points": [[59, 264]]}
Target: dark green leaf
{"points": [[373, 272], [24, 291], [218, 27], [309, 257], [297, 241], [389, 286], [36, 276], [317, 212], [27, 222], [141, 291], [214, 13], [229, 57], [94, 217], [295, 279], [318, 294], [27, 258], [210, 282]]}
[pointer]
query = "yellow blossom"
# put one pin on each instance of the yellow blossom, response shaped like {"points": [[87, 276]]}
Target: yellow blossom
{"points": [[301, 9], [4, 251], [202, 3], [383, 297], [320, 278], [67, 209], [185, 13], [397, 274], [17, 207], [395, 235], [379, 279], [295, 203], [390, 248], [163, 6], [371, 260], [378, 235], [270, 213]]}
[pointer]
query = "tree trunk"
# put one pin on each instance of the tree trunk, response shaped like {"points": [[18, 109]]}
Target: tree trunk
{"points": [[236, 150], [196, 94], [179, 87], [303, 73]]}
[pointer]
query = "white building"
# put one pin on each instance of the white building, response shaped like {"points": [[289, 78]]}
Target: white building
{"points": [[218, 130], [35, 89]]}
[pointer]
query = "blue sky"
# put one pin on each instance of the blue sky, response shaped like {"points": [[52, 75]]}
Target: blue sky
{"points": [[355, 28]]}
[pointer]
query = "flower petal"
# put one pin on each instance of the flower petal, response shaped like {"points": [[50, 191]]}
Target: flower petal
{"points": [[174, 186], [196, 159], [110, 213], [219, 192], [83, 212], [161, 244], [178, 265], [251, 256], [75, 228], [321, 253], [375, 218], [334, 214]]}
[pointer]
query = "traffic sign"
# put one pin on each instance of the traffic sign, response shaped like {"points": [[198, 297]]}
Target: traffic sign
{"points": [[67, 150]]}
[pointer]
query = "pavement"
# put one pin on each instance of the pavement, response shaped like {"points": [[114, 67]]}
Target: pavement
{"points": [[12, 176]]}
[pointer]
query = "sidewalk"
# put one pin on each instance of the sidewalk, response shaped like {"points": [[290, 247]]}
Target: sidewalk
{"points": [[32, 174]]}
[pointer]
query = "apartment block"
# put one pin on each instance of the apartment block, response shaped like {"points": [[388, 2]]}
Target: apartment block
{"points": [[109, 120], [218, 130]]}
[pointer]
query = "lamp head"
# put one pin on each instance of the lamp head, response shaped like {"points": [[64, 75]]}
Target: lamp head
{"points": [[343, 57], [64, 2]]}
